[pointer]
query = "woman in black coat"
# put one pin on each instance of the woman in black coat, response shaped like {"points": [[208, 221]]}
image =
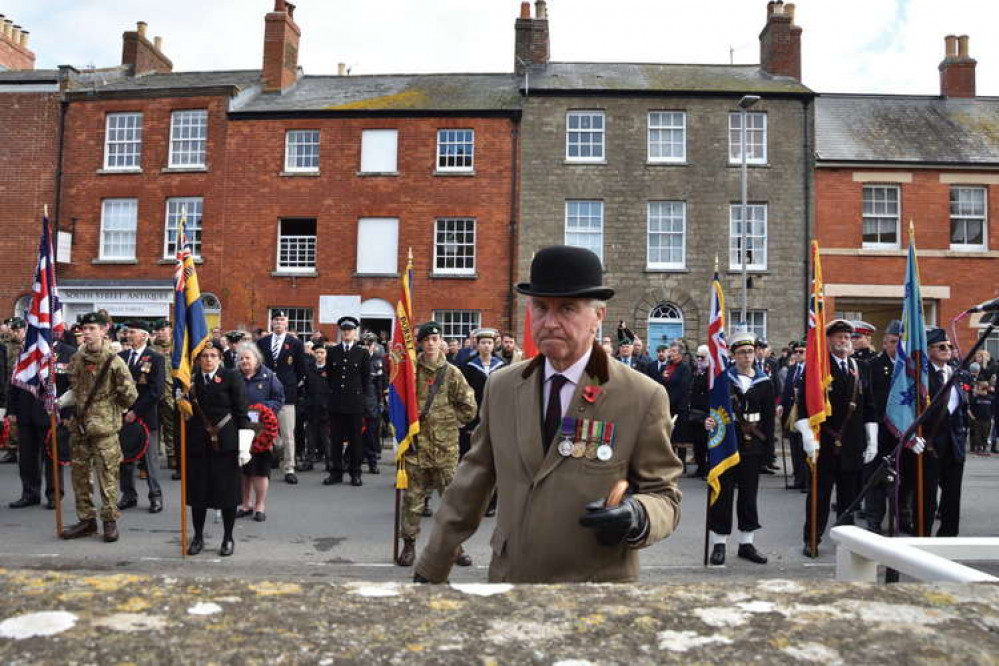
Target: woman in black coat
{"points": [[218, 441]]}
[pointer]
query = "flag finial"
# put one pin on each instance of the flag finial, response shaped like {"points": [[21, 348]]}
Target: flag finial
{"points": [[912, 230], [716, 263]]}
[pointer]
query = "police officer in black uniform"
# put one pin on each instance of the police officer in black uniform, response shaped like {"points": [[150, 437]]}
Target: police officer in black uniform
{"points": [[349, 377]]}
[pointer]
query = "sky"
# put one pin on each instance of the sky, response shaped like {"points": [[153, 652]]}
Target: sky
{"points": [[875, 46]]}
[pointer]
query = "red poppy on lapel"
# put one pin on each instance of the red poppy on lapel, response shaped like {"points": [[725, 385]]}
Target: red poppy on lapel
{"points": [[287, 346], [591, 393], [218, 380]]}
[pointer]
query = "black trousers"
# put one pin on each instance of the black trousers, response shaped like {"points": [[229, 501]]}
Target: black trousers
{"points": [[372, 440], [700, 437], [317, 430], [798, 463], [746, 478], [830, 474], [946, 472], [346, 428], [876, 501], [30, 453]]}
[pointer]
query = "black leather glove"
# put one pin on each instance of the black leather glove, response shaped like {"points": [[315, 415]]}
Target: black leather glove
{"points": [[417, 578], [613, 525]]}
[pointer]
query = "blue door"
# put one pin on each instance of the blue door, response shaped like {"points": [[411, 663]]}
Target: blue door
{"points": [[661, 333]]}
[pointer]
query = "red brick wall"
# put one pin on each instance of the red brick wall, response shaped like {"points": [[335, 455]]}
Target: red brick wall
{"points": [[926, 201], [15, 56], [27, 182], [142, 55]]}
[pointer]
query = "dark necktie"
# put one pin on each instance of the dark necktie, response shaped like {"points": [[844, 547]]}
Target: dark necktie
{"points": [[132, 359], [553, 414]]}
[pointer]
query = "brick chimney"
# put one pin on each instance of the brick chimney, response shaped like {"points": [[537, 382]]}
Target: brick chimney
{"points": [[281, 35], [141, 55], [532, 45], [14, 53], [957, 70], [780, 41]]}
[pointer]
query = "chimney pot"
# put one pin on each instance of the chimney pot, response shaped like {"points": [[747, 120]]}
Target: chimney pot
{"points": [[341, 69], [525, 10], [541, 9], [962, 47], [140, 28], [158, 42], [24, 38], [7, 27], [789, 10], [15, 34], [279, 6], [950, 46]]}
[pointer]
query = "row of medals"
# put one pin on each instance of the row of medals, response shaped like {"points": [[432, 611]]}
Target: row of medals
{"points": [[589, 450]]}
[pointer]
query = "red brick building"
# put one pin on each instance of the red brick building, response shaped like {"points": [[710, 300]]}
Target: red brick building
{"points": [[14, 51], [886, 160], [301, 192]]}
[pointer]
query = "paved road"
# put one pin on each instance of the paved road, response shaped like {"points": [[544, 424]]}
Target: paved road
{"points": [[343, 533]]}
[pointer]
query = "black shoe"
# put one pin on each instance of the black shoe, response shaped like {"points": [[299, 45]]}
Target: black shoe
{"points": [[175, 476], [490, 512], [8, 457], [747, 551], [24, 501], [243, 513], [260, 516], [85, 527], [196, 546], [717, 555], [155, 505], [124, 504], [807, 551], [373, 468], [228, 546], [355, 480], [291, 479], [305, 466], [333, 479]]}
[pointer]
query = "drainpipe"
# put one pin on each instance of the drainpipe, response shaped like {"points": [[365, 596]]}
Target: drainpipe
{"points": [[60, 156], [511, 309], [807, 171]]}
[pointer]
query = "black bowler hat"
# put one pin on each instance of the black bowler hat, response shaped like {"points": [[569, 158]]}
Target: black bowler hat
{"points": [[347, 322], [567, 272]]}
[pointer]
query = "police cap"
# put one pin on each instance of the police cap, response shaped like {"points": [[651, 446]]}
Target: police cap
{"points": [[347, 323]]}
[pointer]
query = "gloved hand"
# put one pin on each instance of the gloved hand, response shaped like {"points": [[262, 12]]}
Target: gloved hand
{"points": [[245, 440], [808, 442], [917, 445], [614, 524], [872, 442], [67, 399], [417, 578], [3, 412]]}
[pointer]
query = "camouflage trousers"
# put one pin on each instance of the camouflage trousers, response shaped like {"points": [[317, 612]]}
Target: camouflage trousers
{"points": [[422, 483], [167, 423], [101, 455]]}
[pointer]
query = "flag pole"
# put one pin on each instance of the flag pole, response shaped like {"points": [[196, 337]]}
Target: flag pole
{"points": [[183, 484], [53, 428], [920, 492], [813, 509]]}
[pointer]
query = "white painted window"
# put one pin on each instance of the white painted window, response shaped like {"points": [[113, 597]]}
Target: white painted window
{"points": [[667, 227], [882, 214], [119, 219], [455, 150], [175, 208], [454, 246], [667, 136], [457, 324], [584, 225], [188, 138], [301, 151], [756, 138], [123, 141], [757, 322], [299, 319], [584, 137], [756, 237], [967, 218], [378, 246], [379, 151], [296, 245]]}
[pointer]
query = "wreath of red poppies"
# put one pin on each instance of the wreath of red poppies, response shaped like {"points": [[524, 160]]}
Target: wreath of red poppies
{"points": [[267, 435]]}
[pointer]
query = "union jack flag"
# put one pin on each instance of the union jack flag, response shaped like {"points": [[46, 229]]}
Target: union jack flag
{"points": [[723, 447], [35, 370]]}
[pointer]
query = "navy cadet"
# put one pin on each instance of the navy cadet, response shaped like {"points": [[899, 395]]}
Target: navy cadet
{"points": [[285, 355], [476, 372], [147, 368], [349, 376], [754, 407]]}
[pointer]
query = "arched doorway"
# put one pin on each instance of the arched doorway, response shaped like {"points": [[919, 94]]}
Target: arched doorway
{"points": [[213, 310], [665, 325], [377, 316]]}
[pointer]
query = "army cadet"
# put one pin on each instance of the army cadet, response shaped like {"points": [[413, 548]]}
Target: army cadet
{"points": [[284, 354], [754, 403], [879, 371], [13, 348], [101, 389], [349, 376], [446, 402]]}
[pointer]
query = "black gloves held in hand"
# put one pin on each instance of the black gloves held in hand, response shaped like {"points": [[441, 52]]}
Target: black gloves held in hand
{"points": [[613, 525], [417, 578]]}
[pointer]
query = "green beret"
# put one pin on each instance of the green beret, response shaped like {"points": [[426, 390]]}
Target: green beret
{"points": [[662, 348], [162, 323], [625, 341], [94, 318], [429, 328], [17, 322]]}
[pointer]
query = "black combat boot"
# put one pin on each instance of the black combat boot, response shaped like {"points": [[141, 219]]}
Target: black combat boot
{"points": [[85, 527], [110, 531], [408, 554]]}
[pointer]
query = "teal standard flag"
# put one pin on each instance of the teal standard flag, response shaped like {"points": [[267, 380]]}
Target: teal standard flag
{"points": [[910, 378]]}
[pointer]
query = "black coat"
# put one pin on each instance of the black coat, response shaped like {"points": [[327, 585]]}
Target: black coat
{"points": [[853, 436], [317, 386], [28, 409], [290, 365], [943, 429], [755, 413], [879, 373], [678, 386], [149, 373], [223, 396], [349, 377]]}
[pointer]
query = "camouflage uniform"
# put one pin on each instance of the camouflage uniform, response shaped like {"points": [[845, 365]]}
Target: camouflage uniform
{"points": [[97, 447], [168, 417], [13, 347], [432, 465]]}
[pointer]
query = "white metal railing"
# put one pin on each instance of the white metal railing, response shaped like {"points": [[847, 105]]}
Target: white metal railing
{"points": [[859, 552]]}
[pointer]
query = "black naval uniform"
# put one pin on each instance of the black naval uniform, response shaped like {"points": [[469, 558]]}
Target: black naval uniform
{"points": [[349, 376], [148, 371], [317, 410], [879, 372]]}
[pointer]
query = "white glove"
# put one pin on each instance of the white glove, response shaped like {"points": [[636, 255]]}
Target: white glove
{"points": [[808, 442], [917, 445], [245, 440], [67, 399], [872, 442], [3, 412]]}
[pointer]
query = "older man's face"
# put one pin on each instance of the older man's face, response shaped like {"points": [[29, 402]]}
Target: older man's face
{"points": [[564, 328], [840, 344]]}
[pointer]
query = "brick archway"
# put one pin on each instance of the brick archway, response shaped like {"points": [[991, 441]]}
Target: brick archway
{"points": [[694, 327]]}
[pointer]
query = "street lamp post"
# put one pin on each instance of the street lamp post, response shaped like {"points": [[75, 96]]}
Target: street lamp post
{"points": [[744, 104]]}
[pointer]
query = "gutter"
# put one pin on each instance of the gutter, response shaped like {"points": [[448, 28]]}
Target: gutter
{"points": [[511, 308]]}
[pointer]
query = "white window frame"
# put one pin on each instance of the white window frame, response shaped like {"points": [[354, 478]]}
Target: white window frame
{"points": [[303, 244], [735, 236], [968, 218], [128, 136], [121, 228], [391, 246], [681, 206], [194, 206], [874, 216], [379, 139], [297, 316], [294, 142], [459, 238], [193, 148], [575, 234], [458, 323], [450, 139], [757, 319], [755, 137], [656, 124], [601, 133]]}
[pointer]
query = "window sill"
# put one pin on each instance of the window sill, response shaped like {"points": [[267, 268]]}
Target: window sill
{"points": [[109, 172], [664, 163], [749, 165], [455, 174], [113, 262], [454, 276], [584, 162], [376, 275], [652, 269], [968, 250], [299, 174], [172, 261], [197, 169], [295, 274], [377, 174], [750, 270]]}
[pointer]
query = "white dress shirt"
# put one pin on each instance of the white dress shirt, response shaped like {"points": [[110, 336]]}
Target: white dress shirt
{"points": [[573, 374]]}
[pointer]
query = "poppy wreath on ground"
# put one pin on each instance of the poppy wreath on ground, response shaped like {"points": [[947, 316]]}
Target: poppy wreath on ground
{"points": [[266, 427]]}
